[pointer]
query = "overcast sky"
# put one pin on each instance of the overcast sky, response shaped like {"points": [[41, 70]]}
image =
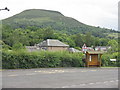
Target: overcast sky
{"points": [[103, 13]]}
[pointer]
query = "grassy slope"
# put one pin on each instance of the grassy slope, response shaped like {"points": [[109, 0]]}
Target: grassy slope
{"points": [[44, 18]]}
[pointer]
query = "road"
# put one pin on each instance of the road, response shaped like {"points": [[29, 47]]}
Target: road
{"points": [[61, 78]]}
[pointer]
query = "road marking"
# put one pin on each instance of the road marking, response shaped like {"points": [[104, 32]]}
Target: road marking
{"points": [[57, 70], [13, 75], [105, 82], [65, 86], [98, 82], [112, 81], [83, 71], [82, 84], [38, 71], [91, 83], [30, 74], [52, 71], [93, 70], [61, 71]]}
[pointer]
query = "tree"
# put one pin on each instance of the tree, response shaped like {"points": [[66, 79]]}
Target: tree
{"points": [[103, 41], [18, 46], [114, 46], [48, 33], [88, 39]]}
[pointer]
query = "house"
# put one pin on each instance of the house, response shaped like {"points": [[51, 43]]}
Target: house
{"points": [[90, 49], [32, 48], [102, 48], [85, 48], [52, 45], [93, 58]]}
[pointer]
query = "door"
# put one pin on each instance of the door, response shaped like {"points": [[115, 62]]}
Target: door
{"points": [[93, 59]]}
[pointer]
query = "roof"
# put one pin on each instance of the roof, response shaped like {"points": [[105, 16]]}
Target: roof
{"points": [[89, 47], [73, 50], [31, 47], [95, 52], [102, 46], [52, 42]]}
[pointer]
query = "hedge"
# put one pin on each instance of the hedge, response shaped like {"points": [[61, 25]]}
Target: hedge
{"points": [[24, 60], [106, 59]]}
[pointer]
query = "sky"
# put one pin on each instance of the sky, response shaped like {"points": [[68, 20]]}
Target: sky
{"points": [[103, 13]]}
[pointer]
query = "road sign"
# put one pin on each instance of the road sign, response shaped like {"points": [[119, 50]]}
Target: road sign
{"points": [[112, 59]]}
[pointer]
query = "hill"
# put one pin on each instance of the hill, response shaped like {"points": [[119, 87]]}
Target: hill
{"points": [[46, 18]]}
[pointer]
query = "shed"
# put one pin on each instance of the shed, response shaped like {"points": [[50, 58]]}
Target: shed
{"points": [[93, 58]]}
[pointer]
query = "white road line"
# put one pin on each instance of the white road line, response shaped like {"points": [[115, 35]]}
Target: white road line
{"points": [[83, 71], [112, 81], [93, 70], [105, 82], [13, 75], [38, 71], [82, 84], [98, 82], [50, 72], [30, 74], [53, 71], [65, 86], [91, 83], [88, 84]]}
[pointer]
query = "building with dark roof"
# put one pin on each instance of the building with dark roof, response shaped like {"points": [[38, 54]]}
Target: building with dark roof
{"points": [[102, 48], [73, 50], [49, 45]]}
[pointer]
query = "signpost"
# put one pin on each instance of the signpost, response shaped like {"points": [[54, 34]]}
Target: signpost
{"points": [[112, 59]]}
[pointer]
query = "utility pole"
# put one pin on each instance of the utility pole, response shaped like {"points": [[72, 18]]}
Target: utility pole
{"points": [[5, 9]]}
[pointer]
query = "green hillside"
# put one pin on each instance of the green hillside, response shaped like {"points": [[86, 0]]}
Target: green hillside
{"points": [[54, 19], [35, 25]]}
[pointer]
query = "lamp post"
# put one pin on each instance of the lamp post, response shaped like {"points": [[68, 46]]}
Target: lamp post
{"points": [[5, 9]]}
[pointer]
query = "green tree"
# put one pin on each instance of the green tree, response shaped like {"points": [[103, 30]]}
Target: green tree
{"points": [[18, 46], [88, 39], [48, 33], [114, 46], [79, 40]]}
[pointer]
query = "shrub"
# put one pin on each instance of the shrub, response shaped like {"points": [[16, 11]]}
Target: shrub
{"points": [[23, 59], [106, 59]]}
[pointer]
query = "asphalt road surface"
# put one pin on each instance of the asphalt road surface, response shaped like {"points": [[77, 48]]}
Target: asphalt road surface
{"points": [[61, 78]]}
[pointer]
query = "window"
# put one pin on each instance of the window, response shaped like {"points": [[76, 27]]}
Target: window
{"points": [[90, 58]]}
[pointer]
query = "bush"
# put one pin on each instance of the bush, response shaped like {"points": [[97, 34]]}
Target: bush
{"points": [[23, 59], [106, 59], [71, 60]]}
